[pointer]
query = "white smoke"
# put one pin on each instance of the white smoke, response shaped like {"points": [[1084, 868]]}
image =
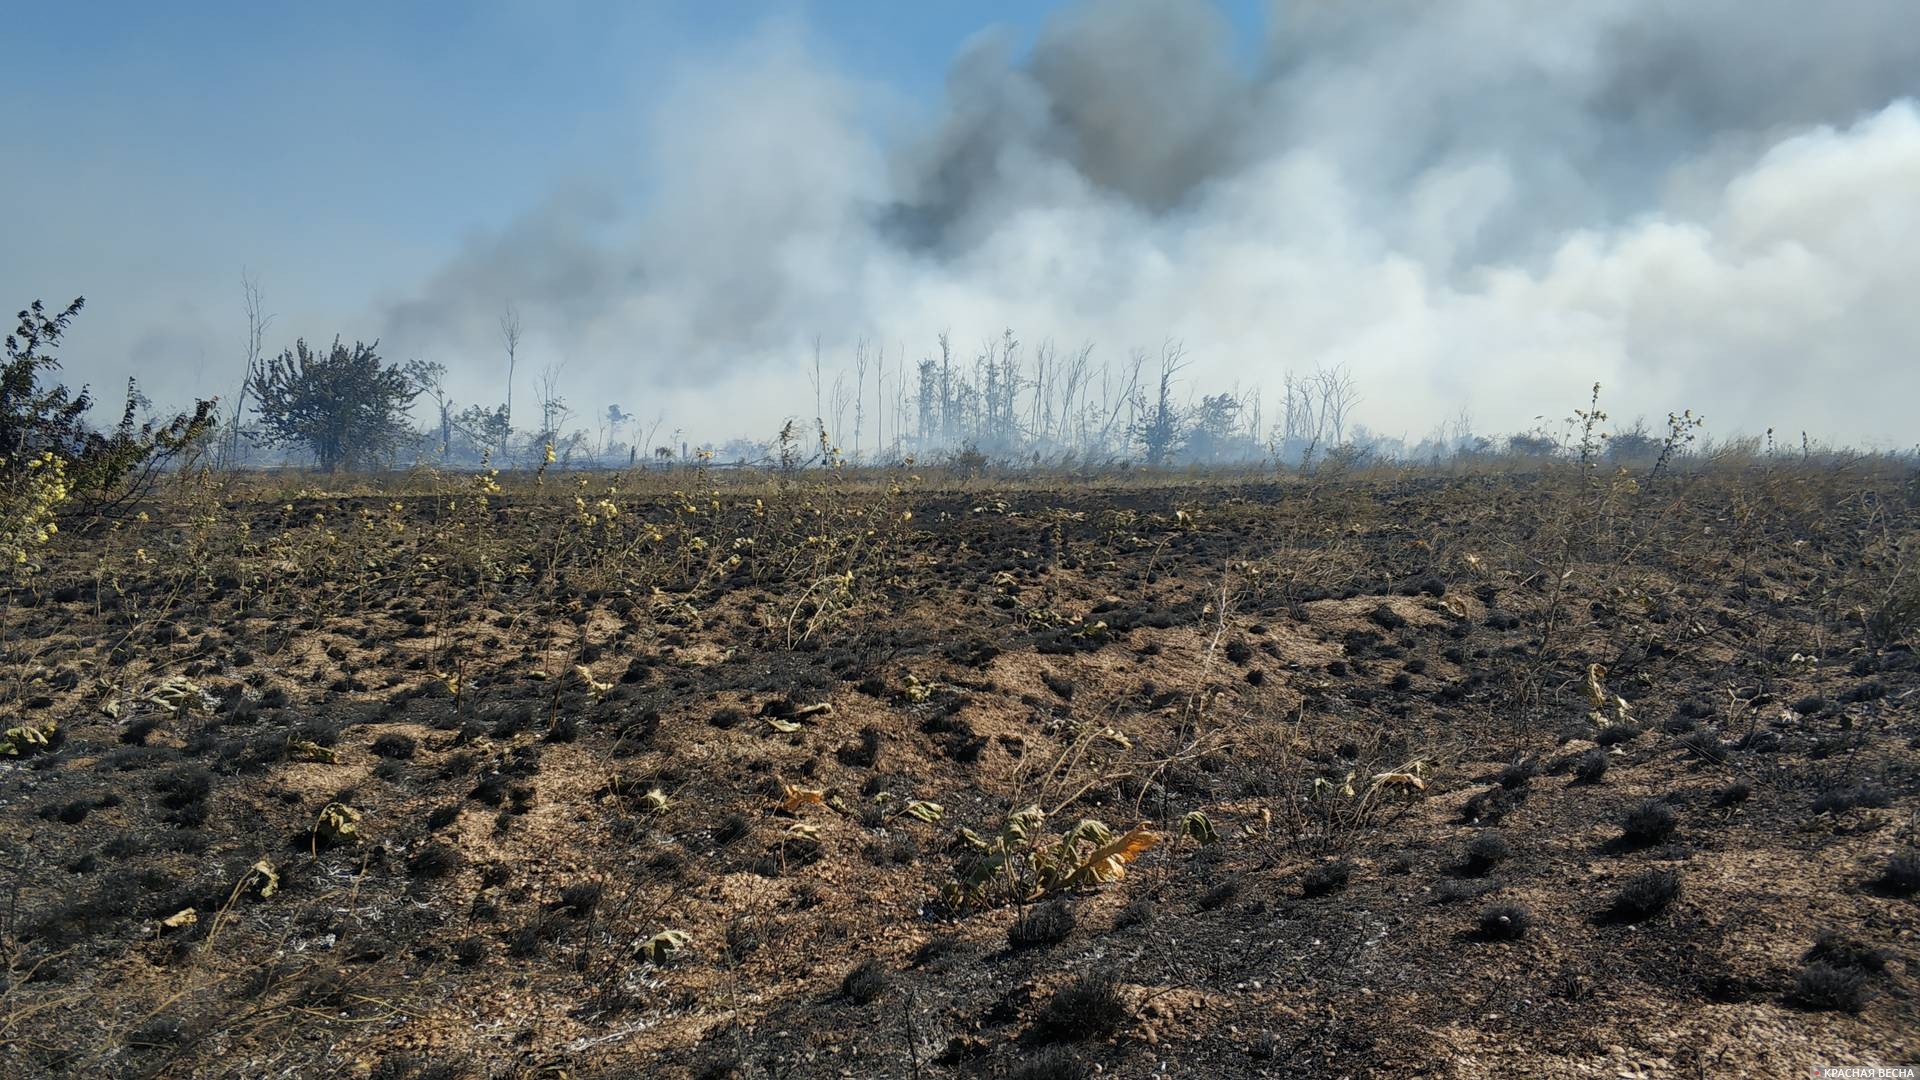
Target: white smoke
{"points": [[1708, 205]]}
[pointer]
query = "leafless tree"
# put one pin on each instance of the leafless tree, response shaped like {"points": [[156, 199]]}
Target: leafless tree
{"points": [[859, 393], [553, 408], [510, 333], [1338, 395], [254, 302]]}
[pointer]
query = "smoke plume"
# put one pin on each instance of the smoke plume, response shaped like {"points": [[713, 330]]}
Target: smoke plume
{"points": [[1470, 204]]}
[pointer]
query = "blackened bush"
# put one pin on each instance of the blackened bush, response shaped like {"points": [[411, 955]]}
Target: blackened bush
{"points": [[1046, 924], [433, 861], [1838, 950], [470, 950], [1644, 896], [1841, 800], [1053, 1063], [897, 849], [1518, 774], [865, 984], [934, 948], [1485, 852], [1220, 895], [1901, 877], [732, 829], [1504, 922], [1825, 988], [580, 898], [491, 790], [395, 745], [1589, 767], [156, 1034], [1089, 1007], [1138, 912], [443, 816], [183, 793], [1490, 806], [1615, 734], [1704, 743], [1733, 794], [525, 941], [1385, 617], [1327, 878], [1649, 823], [866, 753], [727, 718]]}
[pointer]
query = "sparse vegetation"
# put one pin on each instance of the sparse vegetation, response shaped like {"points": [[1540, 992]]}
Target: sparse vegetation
{"points": [[646, 754]]}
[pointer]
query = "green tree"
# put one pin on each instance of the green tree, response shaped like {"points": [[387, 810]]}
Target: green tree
{"points": [[343, 405], [39, 416]]}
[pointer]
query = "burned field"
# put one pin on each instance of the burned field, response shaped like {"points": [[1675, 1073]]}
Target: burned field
{"points": [[908, 776]]}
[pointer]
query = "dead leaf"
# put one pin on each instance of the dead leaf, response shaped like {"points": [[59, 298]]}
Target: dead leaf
{"points": [[799, 797], [1109, 862]]}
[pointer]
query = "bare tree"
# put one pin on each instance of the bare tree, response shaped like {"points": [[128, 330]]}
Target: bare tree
{"points": [[1124, 400], [510, 334], [257, 321], [859, 393], [1338, 395], [553, 407]]}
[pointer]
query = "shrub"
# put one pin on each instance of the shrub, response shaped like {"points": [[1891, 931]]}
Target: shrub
{"points": [[395, 745], [1649, 823], [865, 984], [934, 948], [732, 829], [580, 898], [1518, 774], [1504, 922], [470, 950], [1837, 950], [1046, 924], [1733, 794], [433, 861], [866, 753], [1458, 890], [1704, 743], [1052, 1063], [1089, 1007], [1485, 852], [1220, 895], [1615, 734], [1841, 800], [183, 793], [1138, 912], [43, 431], [1826, 988], [1327, 878], [1589, 767], [1644, 896], [1902, 875]]}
